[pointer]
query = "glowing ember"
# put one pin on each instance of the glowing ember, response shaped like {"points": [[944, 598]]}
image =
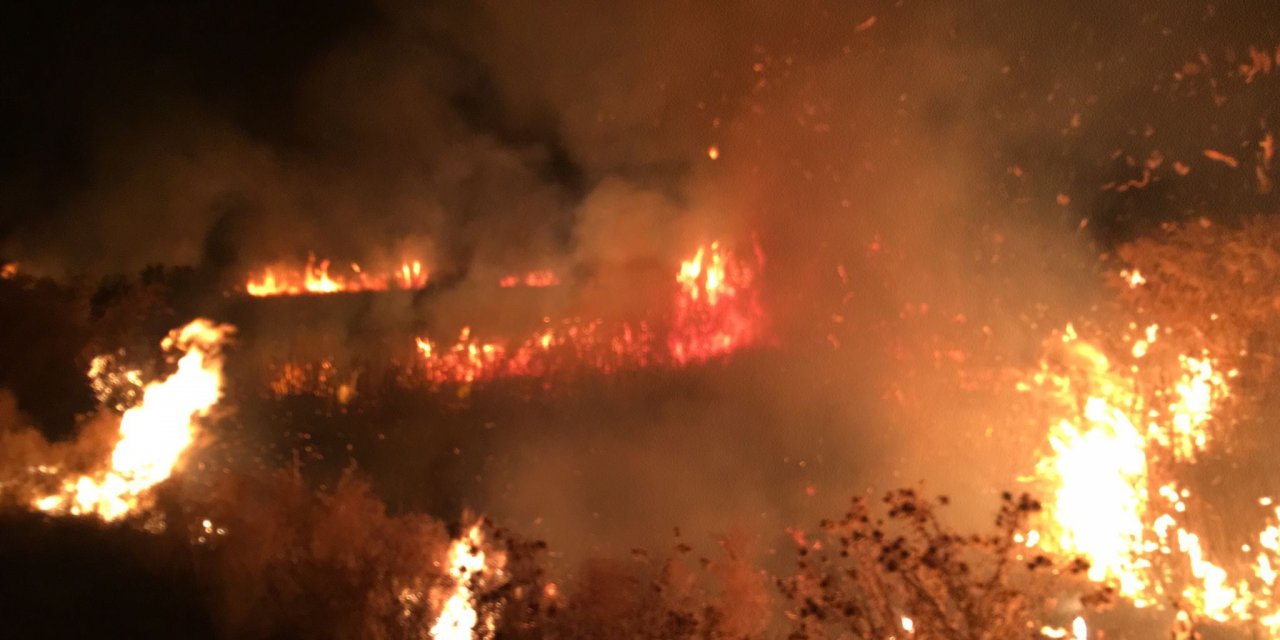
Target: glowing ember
{"points": [[154, 434], [1114, 502], [458, 618], [572, 344], [1079, 630], [543, 278], [1194, 395], [1133, 278], [316, 278], [114, 385]]}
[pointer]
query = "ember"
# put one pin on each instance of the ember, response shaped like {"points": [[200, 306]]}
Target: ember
{"points": [[717, 309], [1116, 501]]}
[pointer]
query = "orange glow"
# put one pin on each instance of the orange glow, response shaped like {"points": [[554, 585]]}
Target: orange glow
{"points": [[153, 435], [316, 278], [544, 278], [1133, 278], [716, 309], [1114, 498]]}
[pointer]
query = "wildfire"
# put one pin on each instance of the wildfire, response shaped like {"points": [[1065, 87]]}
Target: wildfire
{"points": [[155, 433], [715, 311], [1102, 468], [1114, 500], [570, 344], [315, 278], [1133, 278], [544, 278], [458, 619]]}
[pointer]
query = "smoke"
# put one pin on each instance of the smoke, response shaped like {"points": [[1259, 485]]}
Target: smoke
{"points": [[910, 171]]}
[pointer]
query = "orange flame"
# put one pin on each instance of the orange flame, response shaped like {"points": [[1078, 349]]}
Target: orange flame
{"points": [[153, 435], [315, 278], [715, 312], [1110, 506], [458, 619]]}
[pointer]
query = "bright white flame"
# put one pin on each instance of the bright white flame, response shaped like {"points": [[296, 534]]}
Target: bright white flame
{"points": [[1079, 630], [154, 434], [458, 617], [1103, 469]]}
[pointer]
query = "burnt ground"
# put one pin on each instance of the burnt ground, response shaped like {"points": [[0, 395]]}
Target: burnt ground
{"points": [[72, 578]]}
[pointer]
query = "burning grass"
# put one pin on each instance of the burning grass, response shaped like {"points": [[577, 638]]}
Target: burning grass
{"points": [[318, 277], [1132, 409]]}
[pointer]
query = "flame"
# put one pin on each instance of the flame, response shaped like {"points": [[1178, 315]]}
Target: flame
{"points": [[716, 309], [1102, 472], [154, 434], [315, 278], [458, 618], [555, 348], [1133, 278], [1079, 630], [8, 270], [466, 361], [1114, 499], [544, 278]]}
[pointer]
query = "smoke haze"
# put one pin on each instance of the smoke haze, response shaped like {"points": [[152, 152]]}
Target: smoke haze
{"points": [[903, 167]]}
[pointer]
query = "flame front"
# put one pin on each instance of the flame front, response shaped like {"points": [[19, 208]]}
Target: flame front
{"points": [[316, 278], [154, 434], [715, 311]]}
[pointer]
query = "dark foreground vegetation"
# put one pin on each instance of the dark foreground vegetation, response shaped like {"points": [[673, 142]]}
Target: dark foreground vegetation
{"points": [[267, 557]]}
